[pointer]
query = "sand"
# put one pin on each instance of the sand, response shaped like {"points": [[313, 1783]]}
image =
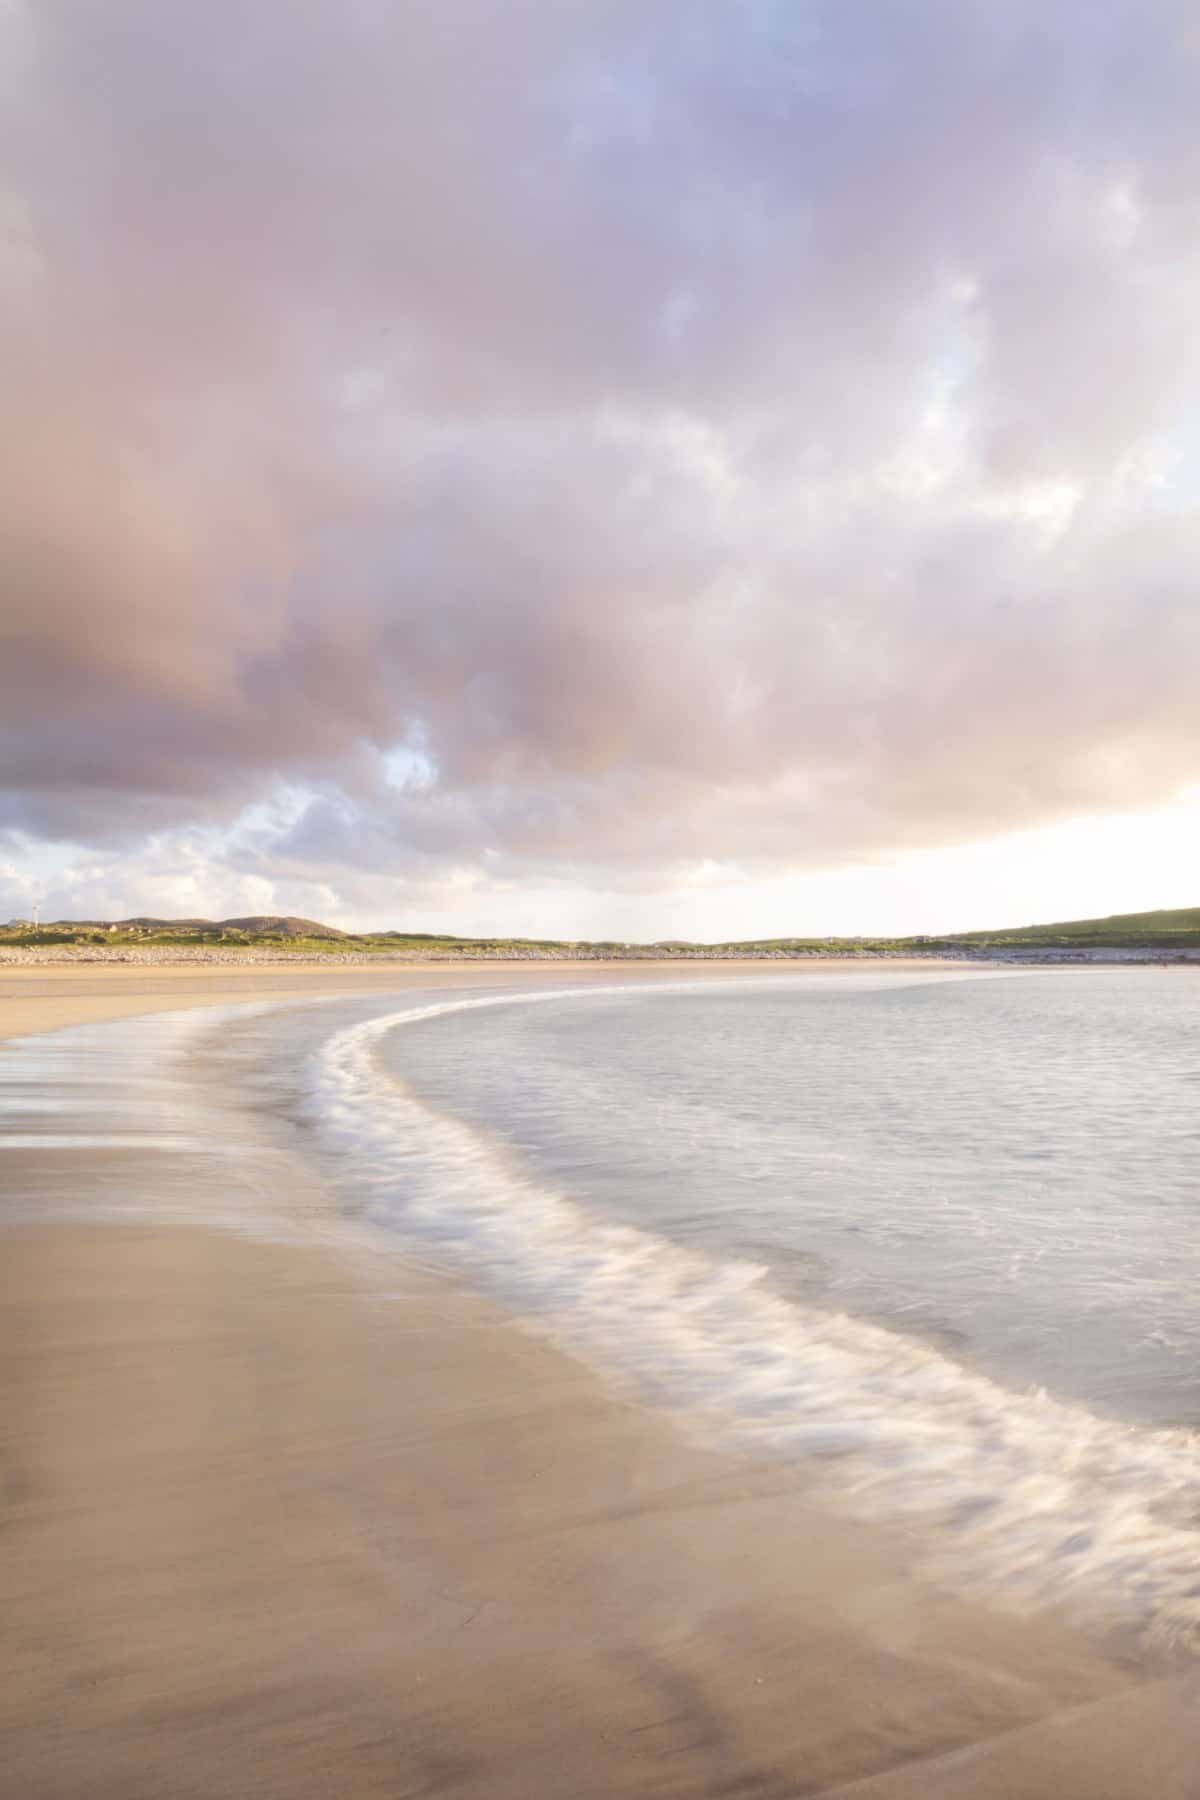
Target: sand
{"points": [[44, 997], [290, 1521]]}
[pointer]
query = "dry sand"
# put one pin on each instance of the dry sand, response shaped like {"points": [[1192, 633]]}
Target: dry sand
{"points": [[43, 997], [284, 1522]]}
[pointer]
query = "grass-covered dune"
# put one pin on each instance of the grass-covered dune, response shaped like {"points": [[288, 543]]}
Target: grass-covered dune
{"points": [[283, 936], [1179, 929], [1163, 933]]}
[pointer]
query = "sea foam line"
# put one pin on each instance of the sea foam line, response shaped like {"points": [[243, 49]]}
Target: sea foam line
{"points": [[1029, 1499]]}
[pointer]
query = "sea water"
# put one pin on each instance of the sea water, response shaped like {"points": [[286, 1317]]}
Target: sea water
{"points": [[927, 1237]]}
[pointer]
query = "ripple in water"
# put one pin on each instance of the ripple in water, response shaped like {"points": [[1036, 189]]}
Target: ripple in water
{"points": [[1029, 1497]]}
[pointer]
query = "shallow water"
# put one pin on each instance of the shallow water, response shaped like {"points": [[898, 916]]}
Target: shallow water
{"points": [[930, 1236], [1010, 1169]]}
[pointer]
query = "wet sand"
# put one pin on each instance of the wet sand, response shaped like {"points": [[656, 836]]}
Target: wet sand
{"points": [[288, 1521]]}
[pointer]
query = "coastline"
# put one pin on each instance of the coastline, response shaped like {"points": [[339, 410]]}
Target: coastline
{"points": [[36, 997], [291, 1521], [281, 1525], [164, 956]]}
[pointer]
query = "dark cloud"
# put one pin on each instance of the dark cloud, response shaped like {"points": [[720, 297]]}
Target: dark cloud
{"points": [[580, 440]]}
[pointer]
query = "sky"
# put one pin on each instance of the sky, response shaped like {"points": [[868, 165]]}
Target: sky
{"points": [[634, 468]]}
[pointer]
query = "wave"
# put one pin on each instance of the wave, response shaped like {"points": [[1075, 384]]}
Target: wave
{"points": [[1030, 1500]]}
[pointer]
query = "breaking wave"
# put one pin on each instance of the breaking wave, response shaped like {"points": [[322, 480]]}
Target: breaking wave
{"points": [[1031, 1500]]}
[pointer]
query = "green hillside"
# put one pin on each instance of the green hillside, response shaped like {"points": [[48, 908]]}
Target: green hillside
{"points": [[1179, 929], [1162, 932]]}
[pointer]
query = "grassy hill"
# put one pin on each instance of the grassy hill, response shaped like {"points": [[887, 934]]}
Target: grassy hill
{"points": [[268, 925], [1179, 929], [282, 934], [261, 931], [1163, 933]]}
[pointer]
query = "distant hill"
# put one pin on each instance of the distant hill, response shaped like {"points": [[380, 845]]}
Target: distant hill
{"points": [[1155, 934], [257, 925], [267, 925], [1179, 928]]}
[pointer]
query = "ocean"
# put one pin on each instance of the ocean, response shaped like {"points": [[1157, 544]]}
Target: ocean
{"points": [[927, 1237]]}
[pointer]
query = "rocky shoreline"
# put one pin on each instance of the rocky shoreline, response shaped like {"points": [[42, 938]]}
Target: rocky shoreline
{"points": [[163, 955]]}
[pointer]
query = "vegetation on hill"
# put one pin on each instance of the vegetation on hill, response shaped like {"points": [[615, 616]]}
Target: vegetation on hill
{"points": [[260, 925], [1179, 929], [1159, 932]]}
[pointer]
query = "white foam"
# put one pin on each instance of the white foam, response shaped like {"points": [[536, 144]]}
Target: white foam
{"points": [[1033, 1501]]}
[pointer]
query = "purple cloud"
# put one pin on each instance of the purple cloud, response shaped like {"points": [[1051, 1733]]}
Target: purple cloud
{"points": [[742, 431]]}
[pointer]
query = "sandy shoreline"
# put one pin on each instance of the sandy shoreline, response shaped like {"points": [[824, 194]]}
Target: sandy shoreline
{"points": [[282, 1522], [276, 1528], [45, 997]]}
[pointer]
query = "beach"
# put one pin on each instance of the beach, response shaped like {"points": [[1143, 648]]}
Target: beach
{"points": [[45, 996], [288, 1519]]}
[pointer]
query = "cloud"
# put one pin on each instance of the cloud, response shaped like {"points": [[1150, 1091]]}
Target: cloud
{"points": [[573, 443]]}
